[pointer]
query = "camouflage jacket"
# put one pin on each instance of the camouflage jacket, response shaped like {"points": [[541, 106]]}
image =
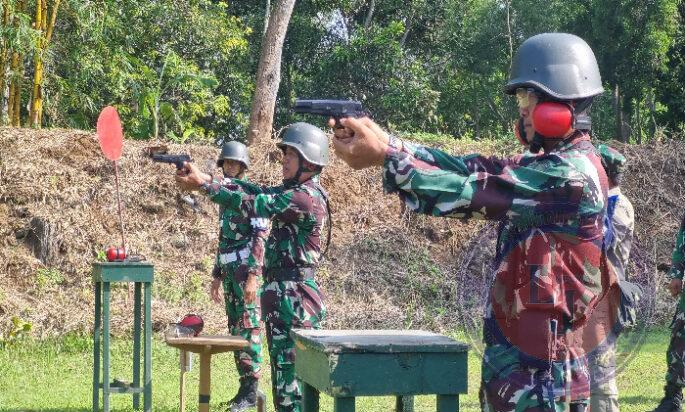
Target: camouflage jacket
{"points": [[298, 214], [678, 256], [551, 207], [239, 236]]}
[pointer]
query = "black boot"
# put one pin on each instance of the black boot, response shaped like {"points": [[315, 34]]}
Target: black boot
{"points": [[247, 395], [672, 401]]}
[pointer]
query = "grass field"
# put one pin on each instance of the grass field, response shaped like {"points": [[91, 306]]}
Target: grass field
{"points": [[56, 376]]}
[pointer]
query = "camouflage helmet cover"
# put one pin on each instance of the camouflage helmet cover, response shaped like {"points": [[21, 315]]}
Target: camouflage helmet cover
{"points": [[234, 151], [561, 65], [310, 141]]}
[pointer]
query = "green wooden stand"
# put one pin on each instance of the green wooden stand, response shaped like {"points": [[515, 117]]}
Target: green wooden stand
{"points": [[105, 273], [349, 363]]}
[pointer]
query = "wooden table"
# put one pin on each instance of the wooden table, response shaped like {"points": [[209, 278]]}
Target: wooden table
{"points": [[104, 274], [206, 346], [349, 363]]}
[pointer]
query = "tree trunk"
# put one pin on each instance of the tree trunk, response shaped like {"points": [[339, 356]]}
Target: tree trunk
{"points": [[652, 113], [4, 59], [268, 72], [638, 119], [16, 75], [618, 110], [14, 106], [267, 15], [369, 15], [16, 120], [45, 27], [36, 101], [509, 35], [407, 27]]}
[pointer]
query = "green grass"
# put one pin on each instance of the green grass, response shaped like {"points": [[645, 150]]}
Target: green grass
{"points": [[56, 375]]}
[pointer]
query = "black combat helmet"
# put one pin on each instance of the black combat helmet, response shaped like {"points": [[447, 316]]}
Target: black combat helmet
{"points": [[309, 141], [234, 151], [560, 65]]}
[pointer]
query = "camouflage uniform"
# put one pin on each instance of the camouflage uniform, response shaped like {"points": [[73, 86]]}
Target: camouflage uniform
{"points": [[618, 236], [290, 297], [238, 255], [675, 356], [549, 267]]}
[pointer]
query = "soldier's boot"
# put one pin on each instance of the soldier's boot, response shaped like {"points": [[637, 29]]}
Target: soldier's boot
{"points": [[247, 395], [672, 400]]}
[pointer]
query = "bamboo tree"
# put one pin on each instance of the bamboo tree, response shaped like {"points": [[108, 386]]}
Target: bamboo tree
{"points": [[4, 58], [45, 28], [16, 74]]}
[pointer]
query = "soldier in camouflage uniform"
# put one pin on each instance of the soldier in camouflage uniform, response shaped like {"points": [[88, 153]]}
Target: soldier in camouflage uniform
{"points": [[549, 264], [291, 297], [618, 236], [237, 269], [675, 355]]}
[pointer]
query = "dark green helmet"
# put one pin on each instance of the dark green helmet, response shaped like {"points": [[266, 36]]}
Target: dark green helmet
{"points": [[558, 64], [234, 151], [310, 141]]}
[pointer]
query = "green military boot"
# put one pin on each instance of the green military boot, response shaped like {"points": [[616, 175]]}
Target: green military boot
{"points": [[672, 400], [246, 397]]}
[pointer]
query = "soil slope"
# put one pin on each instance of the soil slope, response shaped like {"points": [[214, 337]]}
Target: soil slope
{"points": [[385, 268]]}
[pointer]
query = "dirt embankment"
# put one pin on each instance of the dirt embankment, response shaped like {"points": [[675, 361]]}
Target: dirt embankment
{"points": [[386, 268]]}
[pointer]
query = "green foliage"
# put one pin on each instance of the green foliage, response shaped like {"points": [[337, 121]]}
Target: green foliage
{"points": [[48, 277], [207, 263], [194, 290], [171, 64], [185, 71], [101, 256], [166, 288], [17, 331]]}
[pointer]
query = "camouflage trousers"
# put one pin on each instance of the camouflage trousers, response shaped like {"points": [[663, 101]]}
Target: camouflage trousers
{"points": [[675, 355], [289, 305], [243, 320], [599, 340], [603, 388], [509, 385]]}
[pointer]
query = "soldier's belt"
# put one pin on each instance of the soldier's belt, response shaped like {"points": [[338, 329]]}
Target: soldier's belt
{"points": [[229, 257], [292, 274]]}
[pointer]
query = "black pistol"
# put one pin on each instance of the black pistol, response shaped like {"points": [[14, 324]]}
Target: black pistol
{"points": [[337, 109], [176, 160]]}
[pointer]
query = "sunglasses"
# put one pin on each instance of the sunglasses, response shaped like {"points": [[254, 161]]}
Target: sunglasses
{"points": [[523, 96]]}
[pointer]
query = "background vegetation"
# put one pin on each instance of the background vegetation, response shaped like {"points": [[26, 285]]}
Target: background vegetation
{"points": [[185, 70]]}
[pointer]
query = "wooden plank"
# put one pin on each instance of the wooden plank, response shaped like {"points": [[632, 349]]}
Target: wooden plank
{"points": [[147, 355], [377, 341], [137, 309], [96, 346], [363, 374], [310, 398], [343, 404], [205, 382], [448, 403], [106, 296], [208, 344], [123, 272]]}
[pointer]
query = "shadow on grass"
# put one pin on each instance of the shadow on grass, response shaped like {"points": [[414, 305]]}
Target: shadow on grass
{"points": [[170, 409], [639, 400]]}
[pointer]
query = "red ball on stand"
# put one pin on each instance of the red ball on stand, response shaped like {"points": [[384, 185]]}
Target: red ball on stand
{"points": [[115, 253]]}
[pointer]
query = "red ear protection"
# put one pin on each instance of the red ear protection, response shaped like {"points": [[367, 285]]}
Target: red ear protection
{"points": [[552, 119]]}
